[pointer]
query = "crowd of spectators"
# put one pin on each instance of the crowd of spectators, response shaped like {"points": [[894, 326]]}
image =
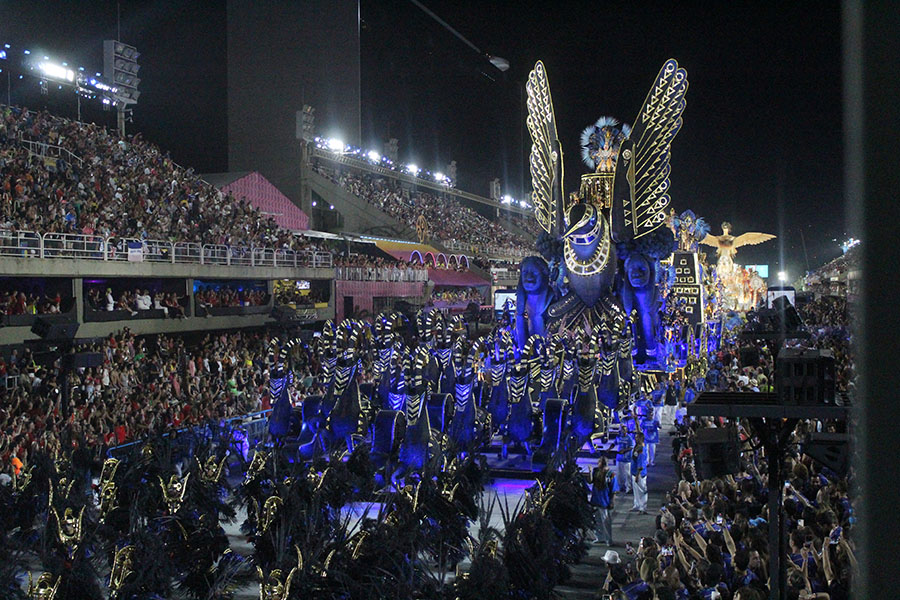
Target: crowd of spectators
{"points": [[529, 224], [127, 188], [834, 278], [712, 536], [229, 296], [447, 219], [18, 302], [457, 295], [114, 297], [145, 386], [117, 188], [362, 267]]}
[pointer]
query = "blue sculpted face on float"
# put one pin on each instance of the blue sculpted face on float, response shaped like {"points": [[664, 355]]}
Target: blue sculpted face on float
{"points": [[534, 275], [640, 298], [533, 297], [638, 271]]}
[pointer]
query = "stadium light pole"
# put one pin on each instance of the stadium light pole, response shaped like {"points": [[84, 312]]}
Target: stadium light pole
{"points": [[501, 64]]}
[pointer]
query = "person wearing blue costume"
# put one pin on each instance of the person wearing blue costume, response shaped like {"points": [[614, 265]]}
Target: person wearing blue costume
{"points": [[624, 446], [700, 384], [639, 475], [689, 393], [603, 484], [656, 397], [642, 406], [650, 428]]}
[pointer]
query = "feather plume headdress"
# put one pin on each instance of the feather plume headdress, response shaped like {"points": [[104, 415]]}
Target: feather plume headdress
{"points": [[600, 143]]}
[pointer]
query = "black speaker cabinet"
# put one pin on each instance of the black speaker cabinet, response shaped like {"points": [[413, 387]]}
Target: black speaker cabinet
{"points": [[805, 377], [716, 453]]}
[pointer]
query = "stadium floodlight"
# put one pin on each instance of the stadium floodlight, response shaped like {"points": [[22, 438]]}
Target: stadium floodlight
{"points": [[3, 54], [439, 177], [335, 145], [501, 63], [314, 203], [782, 276], [507, 199], [374, 156], [27, 52], [120, 68], [413, 169], [331, 207], [57, 72]]}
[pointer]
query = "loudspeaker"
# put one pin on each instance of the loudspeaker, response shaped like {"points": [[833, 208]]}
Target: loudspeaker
{"points": [[829, 449], [54, 330], [805, 376], [716, 453], [83, 360], [750, 357]]}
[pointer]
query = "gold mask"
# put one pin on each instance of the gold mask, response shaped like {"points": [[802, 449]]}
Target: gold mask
{"points": [[271, 508], [173, 492], [68, 530], [122, 568], [211, 472], [45, 587]]}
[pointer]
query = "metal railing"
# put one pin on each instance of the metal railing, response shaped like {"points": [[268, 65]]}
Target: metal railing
{"points": [[362, 165], [45, 150], [30, 244], [380, 274], [494, 251], [251, 430]]}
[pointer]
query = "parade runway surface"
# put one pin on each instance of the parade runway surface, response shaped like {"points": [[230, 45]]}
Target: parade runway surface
{"points": [[588, 576]]}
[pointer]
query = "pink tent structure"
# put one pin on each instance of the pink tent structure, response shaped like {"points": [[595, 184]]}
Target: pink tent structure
{"points": [[263, 196]]}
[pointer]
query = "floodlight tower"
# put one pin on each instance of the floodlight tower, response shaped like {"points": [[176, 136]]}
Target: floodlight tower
{"points": [[120, 69]]}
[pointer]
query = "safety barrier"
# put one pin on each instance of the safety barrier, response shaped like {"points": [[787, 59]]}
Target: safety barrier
{"points": [[246, 432], [30, 244], [379, 274]]}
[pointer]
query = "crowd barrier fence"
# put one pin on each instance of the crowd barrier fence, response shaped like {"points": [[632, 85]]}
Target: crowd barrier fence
{"points": [[34, 245]]}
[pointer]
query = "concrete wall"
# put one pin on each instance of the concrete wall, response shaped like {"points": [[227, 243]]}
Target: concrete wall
{"points": [[17, 335]]}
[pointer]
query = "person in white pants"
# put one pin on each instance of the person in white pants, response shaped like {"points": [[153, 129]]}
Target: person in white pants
{"points": [[671, 401], [624, 446], [639, 475]]}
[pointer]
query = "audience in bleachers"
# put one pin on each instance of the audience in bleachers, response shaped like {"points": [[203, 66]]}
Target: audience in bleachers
{"points": [[447, 219]]}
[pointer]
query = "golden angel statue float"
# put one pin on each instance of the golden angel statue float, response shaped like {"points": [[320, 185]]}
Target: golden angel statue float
{"points": [[726, 246], [741, 289]]}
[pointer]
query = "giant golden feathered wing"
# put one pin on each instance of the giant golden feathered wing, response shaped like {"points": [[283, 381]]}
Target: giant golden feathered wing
{"points": [[711, 240], [751, 238], [642, 169], [546, 159]]}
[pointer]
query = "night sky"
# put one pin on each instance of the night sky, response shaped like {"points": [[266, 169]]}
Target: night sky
{"points": [[761, 144]]}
